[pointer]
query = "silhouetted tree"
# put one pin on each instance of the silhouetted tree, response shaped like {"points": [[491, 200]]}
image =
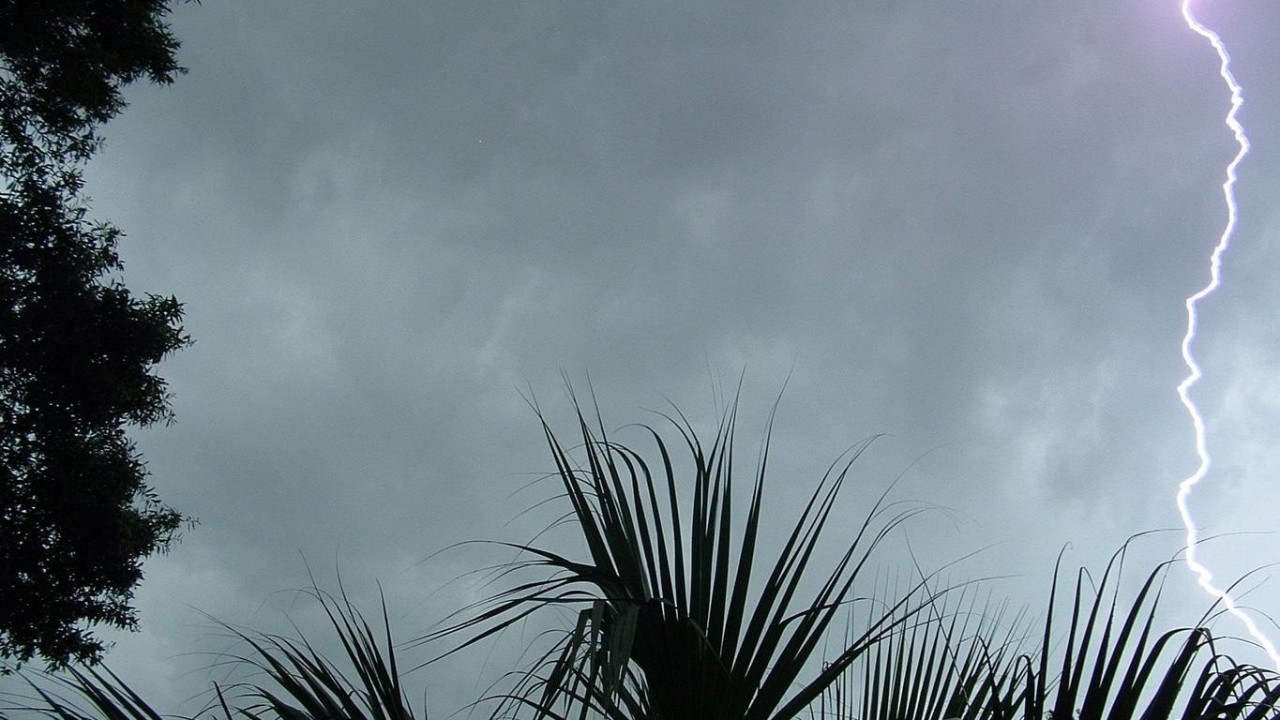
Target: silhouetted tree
{"points": [[76, 348]]}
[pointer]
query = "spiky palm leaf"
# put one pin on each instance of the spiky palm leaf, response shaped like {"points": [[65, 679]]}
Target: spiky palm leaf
{"points": [[302, 684], [1114, 665], [307, 686], [104, 696], [669, 622], [952, 663], [1110, 664]]}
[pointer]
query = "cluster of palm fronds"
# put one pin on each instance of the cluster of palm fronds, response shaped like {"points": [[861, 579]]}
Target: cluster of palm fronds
{"points": [[669, 623], [677, 614], [1109, 663]]}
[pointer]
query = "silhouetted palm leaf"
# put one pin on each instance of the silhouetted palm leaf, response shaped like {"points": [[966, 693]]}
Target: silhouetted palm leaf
{"points": [[1110, 664], [950, 664], [307, 686], [303, 685], [669, 621], [104, 696], [1114, 665]]}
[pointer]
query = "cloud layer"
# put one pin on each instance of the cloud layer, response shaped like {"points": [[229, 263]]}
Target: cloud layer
{"points": [[969, 227]]}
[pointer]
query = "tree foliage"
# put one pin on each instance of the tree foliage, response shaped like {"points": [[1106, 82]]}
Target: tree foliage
{"points": [[65, 64], [76, 347]]}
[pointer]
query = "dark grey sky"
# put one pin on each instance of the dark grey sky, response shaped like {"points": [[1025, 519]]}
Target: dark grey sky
{"points": [[969, 225]]}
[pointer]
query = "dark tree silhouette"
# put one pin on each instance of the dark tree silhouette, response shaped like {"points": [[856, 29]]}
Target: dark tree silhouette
{"points": [[76, 348]]}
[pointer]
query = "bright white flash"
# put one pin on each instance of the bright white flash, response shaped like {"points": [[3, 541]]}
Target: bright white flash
{"points": [[1184, 388]]}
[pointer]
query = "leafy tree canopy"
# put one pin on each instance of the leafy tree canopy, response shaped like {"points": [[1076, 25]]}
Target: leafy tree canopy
{"points": [[65, 63], [76, 348]]}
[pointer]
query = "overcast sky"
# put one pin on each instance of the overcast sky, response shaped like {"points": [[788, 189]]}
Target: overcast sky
{"points": [[970, 226]]}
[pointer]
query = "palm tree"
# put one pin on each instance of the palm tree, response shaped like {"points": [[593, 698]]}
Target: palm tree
{"points": [[671, 620]]}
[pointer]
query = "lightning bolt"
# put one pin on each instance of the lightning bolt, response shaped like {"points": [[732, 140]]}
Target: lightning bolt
{"points": [[1204, 577]]}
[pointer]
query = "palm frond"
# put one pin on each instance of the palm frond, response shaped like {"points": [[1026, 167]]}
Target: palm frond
{"points": [[304, 685], [671, 620], [103, 696], [954, 662], [1113, 664], [1109, 663], [301, 684]]}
